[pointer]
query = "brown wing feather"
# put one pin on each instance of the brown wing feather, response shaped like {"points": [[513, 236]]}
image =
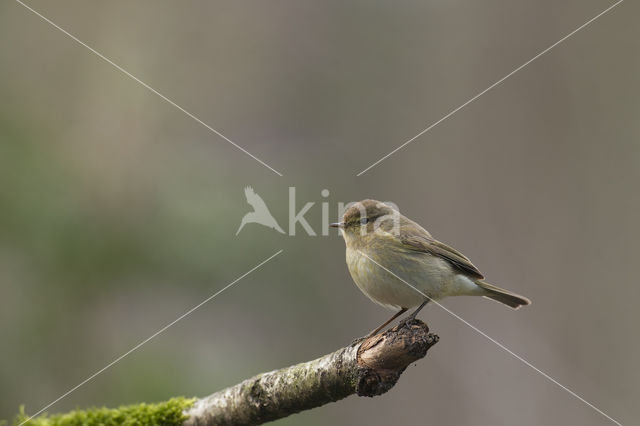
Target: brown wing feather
{"points": [[429, 245]]}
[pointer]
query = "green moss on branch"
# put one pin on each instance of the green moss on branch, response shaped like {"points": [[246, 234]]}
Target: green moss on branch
{"points": [[369, 367], [168, 413]]}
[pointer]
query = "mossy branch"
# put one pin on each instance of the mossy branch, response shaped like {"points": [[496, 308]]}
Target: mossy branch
{"points": [[367, 368], [171, 412]]}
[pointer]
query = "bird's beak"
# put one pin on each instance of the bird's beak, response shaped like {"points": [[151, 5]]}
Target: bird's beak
{"points": [[337, 225]]}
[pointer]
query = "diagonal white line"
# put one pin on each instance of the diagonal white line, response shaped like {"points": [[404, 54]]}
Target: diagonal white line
{"points": [[491, 87], [91, 377], [133, 77], [518, 357]]}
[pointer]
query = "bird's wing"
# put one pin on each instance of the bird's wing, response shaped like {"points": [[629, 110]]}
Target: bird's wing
{"points": [[254, 199], [426, 244]]}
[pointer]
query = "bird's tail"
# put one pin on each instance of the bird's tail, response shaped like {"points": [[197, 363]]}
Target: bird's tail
{"points": [[503, 296]]}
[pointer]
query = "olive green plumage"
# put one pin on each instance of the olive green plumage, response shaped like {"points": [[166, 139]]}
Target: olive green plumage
{"points": [[398, 264]]}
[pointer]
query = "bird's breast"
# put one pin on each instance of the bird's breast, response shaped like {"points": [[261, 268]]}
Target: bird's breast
{"points": [[397, 278]]}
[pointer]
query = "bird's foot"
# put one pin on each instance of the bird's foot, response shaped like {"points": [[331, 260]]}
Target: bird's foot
{"points": [[409, 323]]}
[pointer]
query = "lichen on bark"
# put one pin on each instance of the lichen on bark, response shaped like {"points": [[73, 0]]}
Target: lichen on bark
{"points": [[368, 368]]}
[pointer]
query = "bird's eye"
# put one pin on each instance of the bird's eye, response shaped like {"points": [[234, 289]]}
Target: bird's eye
{"points": [[364, 221]]}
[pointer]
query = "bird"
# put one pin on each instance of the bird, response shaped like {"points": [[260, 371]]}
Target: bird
{"points": [[260, 213], [399, 265]]}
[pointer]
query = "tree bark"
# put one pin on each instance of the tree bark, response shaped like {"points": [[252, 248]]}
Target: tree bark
{"points": [[369, 367]]}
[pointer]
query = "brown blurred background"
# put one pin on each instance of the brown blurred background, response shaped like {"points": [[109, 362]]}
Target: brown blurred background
{"points": [[118, 212]]}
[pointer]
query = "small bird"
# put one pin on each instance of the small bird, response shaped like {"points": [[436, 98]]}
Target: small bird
{"points": [[382, 243], [260, 213]]}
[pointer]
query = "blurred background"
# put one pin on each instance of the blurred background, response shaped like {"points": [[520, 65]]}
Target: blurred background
{"points": [[118, 212]]}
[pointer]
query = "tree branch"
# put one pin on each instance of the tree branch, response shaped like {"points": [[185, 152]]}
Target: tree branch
{"points": [[367, 368]]}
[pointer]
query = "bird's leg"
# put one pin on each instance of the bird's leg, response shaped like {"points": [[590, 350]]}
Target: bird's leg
{"points": [[386, 323], [396, 315], [377, 330], [413, 314]]}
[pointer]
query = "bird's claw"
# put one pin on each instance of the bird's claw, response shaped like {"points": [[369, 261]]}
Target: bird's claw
{"points": [[407, 322]]}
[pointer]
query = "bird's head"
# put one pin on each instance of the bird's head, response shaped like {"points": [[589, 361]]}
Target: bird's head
{"points": [[365, 217]]}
